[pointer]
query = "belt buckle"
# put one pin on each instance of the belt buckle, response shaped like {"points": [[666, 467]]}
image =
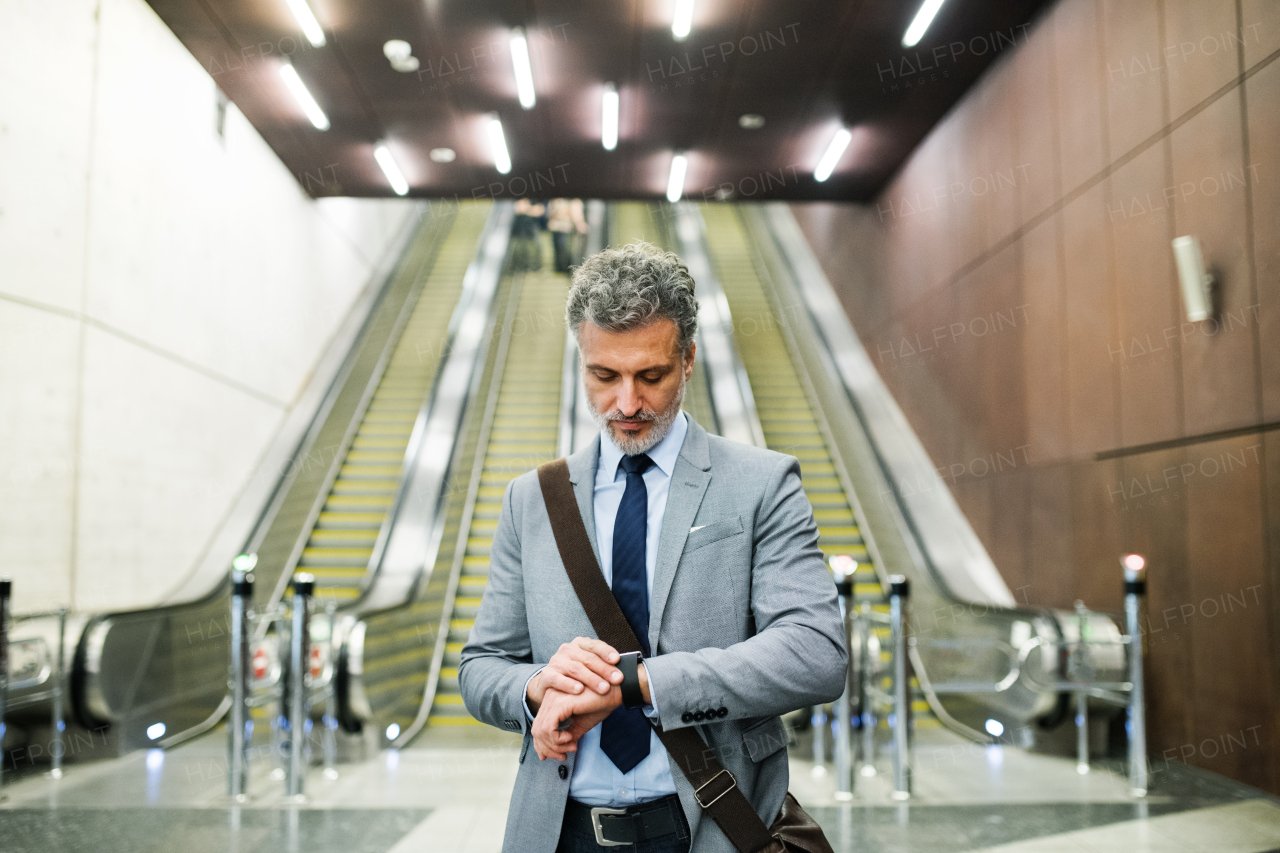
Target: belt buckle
{"points": [[697, 795], [596, 812]]}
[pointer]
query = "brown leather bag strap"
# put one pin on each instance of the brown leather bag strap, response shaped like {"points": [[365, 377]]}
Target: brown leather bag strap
{"points": [[715, 788]]}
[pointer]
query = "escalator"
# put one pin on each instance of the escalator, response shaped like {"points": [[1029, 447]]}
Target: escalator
{"points": [[340, 550], [402, 662]]}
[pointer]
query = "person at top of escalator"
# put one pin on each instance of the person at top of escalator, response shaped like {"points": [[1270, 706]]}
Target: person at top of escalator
{"points": [[526, 251], [568, 226]]}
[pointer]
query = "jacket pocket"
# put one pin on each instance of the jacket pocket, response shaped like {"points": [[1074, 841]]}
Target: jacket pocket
{"points": [[764, 738], [713, 532]]}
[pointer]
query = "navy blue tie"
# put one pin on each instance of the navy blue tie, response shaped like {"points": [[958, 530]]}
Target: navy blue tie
{"points": [[625, 736]]}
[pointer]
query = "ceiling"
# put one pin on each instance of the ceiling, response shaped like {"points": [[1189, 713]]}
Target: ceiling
{"points": [[806, 66]]}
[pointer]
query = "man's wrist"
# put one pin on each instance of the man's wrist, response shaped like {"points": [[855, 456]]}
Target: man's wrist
{"points": [[644, 683], [534, 692]]}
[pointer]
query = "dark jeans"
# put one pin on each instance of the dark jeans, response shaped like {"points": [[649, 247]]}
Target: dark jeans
{"points": [[577, 842]]}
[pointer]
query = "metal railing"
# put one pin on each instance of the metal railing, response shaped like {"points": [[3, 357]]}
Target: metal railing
{"points": [[1085, 669]]}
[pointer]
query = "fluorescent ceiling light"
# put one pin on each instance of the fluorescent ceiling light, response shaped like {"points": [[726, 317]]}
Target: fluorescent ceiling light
{"points": [[389, 168], [307, 20], [682, 21], [834, 152], [921, 22], [675, 184], [524, 72], [303, 96], [501, 159], [609, 123]]}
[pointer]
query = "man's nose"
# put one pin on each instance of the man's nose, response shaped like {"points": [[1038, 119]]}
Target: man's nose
{"points": [[628, 400]]}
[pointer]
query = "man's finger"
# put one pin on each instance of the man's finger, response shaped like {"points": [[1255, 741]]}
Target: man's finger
{"points": [[557, 680], [598, 647]]}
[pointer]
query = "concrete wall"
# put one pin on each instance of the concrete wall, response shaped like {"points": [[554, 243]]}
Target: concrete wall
{"points": [[1016, 288], [164, 294]]}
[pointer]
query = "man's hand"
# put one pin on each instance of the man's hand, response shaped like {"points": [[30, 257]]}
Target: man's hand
{"points": [[582, 711], [584, 664]]}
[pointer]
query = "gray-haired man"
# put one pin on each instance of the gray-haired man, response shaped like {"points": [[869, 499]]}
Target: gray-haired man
{"points": [[710, 548]]}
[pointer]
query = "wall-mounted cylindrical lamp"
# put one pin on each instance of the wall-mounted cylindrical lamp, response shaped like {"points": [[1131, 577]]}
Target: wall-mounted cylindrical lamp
{"points": [[1197, 282]]}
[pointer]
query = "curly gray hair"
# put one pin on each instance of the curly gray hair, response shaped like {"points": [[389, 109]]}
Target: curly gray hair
{"points": [[627, 287]]}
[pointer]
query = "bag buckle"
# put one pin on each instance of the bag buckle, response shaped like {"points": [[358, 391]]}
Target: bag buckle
{"points": [[697, 795], [595, 824]]}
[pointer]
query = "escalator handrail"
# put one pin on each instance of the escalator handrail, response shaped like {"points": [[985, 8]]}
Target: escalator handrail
{"points": [[731, 397]]}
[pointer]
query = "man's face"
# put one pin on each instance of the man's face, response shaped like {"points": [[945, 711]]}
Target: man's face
{"points": [[634, 380]]}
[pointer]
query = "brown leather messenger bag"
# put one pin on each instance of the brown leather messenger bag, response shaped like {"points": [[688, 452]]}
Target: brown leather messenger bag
{"points": [[714, 787]]}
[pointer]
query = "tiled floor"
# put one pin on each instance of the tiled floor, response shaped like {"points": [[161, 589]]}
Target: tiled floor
{"points": [[448, 794]]}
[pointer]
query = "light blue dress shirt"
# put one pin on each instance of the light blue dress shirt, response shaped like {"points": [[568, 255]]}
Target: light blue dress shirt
{"points": [[596, 779]]}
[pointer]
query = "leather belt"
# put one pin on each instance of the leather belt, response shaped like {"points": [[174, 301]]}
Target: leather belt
{"points": [[616, 827]]}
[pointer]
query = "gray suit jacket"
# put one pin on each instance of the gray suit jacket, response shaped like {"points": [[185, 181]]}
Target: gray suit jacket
{"points": [[743, 617]]}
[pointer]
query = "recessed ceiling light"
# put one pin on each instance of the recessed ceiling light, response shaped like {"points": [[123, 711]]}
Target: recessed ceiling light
{"points": [[834, 152], [391, 169], [523, 70], [609, 120], [751, 121], [443, 155], [682, 20], [303, 97], [921, 22], [307, 21], [675, 183], [498, 144]]}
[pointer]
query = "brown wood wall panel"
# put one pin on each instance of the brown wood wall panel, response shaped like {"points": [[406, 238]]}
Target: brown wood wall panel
{"points": [[1131, 58], [1144, 351], [1104, 190], [1263, 90]]}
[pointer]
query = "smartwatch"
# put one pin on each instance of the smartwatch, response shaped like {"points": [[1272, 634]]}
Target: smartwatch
{"points": [[629, 663]]}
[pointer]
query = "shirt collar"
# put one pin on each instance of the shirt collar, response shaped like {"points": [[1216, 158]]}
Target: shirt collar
{"points": [[664, 454]]}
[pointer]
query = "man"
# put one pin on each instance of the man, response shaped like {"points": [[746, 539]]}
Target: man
{"points": [[710, 549]]}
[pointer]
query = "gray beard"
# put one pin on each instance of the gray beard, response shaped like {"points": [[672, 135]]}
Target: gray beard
{"points": [[661, 425]]}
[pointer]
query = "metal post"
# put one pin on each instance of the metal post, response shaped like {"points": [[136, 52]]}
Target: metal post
{"points": [[819, 726], [240, 730], [843, 570], [6, 589], [299, 664], [864, 692], [59, 678], [330, 719], [1135, 587], [1082, 695], [899, 590]]}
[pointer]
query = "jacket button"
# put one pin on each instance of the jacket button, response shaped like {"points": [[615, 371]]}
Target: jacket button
{"points": [[723, 712], [563, 771], [699, 716], [686, 717], [711, 713]]}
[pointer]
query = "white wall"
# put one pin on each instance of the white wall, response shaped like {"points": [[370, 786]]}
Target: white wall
{"points": [[164, 295]]}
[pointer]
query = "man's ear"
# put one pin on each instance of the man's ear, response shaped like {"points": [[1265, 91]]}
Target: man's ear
{"points": [[689, 361]]}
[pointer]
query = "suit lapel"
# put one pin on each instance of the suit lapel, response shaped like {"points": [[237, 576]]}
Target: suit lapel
{"points": [[689, 480], [582, 473]]}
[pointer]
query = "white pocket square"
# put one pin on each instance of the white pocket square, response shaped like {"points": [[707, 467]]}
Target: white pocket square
{"points": [[699, 527]]}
